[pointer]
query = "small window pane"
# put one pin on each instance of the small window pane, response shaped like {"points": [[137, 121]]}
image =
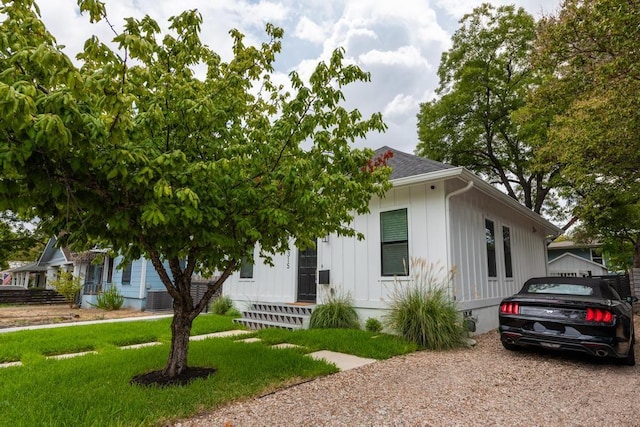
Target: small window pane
{"points": [[126, 275], [490, 237], [395, 259], [394, 225], [246, 269], [506, 239]]}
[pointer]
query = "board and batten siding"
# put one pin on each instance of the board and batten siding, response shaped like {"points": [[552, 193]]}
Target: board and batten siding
{"points": [[268, 284], [356, 265], [472, 285]]}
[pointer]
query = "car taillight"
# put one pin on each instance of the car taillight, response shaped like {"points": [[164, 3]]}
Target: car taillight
{"points": [[509, 308], [598, 315]]}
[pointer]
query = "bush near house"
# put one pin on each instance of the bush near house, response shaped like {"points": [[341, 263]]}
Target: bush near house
{"points": [[68, 285]]}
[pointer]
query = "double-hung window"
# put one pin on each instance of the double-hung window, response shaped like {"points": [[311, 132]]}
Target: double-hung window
{"points": [[394, 233], [126, 274]]}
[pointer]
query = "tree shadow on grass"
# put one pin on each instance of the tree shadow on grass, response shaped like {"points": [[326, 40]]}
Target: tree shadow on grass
{"points": [[158, 379]]}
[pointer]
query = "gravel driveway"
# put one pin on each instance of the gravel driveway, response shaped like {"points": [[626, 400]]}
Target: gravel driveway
{"points": [[483, 386]]}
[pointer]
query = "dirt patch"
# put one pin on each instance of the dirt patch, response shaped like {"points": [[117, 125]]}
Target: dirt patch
{"points": [[26, 315]]}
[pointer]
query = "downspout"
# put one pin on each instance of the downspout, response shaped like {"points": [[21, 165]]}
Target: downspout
{"points": [[447, 222]]}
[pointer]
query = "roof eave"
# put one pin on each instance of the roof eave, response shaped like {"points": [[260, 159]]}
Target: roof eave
{"points": [[481, 185]]}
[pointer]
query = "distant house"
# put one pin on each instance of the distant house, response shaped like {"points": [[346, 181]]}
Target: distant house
{"points": [[572, 259], [38, 274], [443, 214], [138, 281]]}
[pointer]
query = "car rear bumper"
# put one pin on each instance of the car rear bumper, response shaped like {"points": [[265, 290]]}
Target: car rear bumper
{"points": [[595, 346]]}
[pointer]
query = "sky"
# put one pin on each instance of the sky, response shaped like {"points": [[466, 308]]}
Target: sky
{"points": [[400, 42]]}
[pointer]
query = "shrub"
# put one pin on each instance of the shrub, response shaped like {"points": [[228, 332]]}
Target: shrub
{"points": [[337, 312], [110, 299], [422, 310], [221, 305], [68, 285], [373, 325], [233, 312]]}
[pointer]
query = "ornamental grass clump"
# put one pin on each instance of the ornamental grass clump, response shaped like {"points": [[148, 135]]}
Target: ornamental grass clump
{"points": [[221, 305], [423, 311], [111, 299], [336, 312]]}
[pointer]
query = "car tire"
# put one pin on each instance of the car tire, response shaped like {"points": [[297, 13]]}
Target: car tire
{"points": [[510, 347], [630, 360]]}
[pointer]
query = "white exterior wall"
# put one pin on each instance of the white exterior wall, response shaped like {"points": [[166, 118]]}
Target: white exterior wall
{"points": [[477, 294], [355, 266], [449, 241], [269, 284]]}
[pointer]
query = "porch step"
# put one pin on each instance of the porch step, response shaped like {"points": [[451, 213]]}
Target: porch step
{"points": [[270, 315]]}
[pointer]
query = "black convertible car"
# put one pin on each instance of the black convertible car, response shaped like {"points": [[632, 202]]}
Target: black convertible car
{"points": [[569, 313]]}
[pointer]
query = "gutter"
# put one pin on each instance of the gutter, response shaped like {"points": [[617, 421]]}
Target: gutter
{"points": [[446, 218]]}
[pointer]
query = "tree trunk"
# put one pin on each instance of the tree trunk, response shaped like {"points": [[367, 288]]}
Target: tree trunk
{"points": [[180, 332], [636, 253]]}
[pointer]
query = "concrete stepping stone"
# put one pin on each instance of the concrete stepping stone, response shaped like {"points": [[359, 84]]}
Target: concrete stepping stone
{"points": [[10, 364], [343, 361], [285, 345], [142, 345], [70, 355], [232, 333], [250, 340]]}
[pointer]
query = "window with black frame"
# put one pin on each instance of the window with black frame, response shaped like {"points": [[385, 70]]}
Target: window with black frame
{"points": [[506, 243], [490, 236], [394, 236]]}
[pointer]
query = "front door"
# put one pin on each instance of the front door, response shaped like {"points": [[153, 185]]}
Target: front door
{"points": [[307, 266]]}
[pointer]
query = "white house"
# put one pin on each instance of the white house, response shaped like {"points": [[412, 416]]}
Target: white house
{"points": [[573, 259], [443, 214]]}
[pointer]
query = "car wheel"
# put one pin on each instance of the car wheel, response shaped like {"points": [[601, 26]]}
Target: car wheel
{"points": [[510, 347], [630, 360]]}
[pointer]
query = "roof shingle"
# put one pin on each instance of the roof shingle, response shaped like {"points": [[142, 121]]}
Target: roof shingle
{"points": [[404, 164]]}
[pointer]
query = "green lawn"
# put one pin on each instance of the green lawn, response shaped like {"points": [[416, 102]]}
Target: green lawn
{"points": [[95, 389]]}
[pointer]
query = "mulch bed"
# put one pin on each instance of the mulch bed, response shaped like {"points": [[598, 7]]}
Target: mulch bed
{"points": [[158, 379]]}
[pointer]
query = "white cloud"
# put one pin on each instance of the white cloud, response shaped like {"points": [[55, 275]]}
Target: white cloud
{"points": [[405, 56], [310, 31], [400, 43]]}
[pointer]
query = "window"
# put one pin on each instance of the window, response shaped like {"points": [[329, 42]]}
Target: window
{"points": [[94, 274], [596, 256], [506, 242], [490, 236], [246, 268], [394, 235], [110, 270], [560, 288], [126, 274]]}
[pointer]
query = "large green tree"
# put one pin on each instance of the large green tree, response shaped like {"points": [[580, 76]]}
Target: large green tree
{"points": [[589, 52], [484, 80], [19, 241], [133, 151]]}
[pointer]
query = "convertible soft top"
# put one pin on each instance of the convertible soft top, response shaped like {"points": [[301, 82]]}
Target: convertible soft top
{"points": [[584, 286]]}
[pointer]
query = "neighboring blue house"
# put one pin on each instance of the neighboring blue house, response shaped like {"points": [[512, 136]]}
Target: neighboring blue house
{"points": [[138, 282], [572, 259]]}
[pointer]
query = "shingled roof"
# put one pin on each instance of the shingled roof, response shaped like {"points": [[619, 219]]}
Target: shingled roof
{"points": [[404, 164]]}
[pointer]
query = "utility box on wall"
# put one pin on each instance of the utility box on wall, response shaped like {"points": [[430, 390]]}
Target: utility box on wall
{"points": [[323, 277]]}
